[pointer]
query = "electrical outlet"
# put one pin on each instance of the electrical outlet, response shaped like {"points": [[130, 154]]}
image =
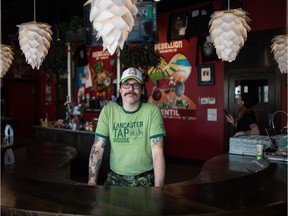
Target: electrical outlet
{"points": [[211, 100], [204, 101]]}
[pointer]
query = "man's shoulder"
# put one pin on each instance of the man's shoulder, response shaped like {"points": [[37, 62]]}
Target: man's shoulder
{"points": [[110, 107], [150, 108], [150, 105]]}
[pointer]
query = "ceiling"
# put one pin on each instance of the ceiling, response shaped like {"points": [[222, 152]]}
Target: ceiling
{"points": [[53, 12], [15, 12]]}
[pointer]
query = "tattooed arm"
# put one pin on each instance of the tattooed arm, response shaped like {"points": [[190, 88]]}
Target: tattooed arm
{"points": [[158, 161], [95, 159]]}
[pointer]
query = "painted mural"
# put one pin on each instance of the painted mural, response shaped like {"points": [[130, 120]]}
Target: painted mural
{"points": [[169, 88]]}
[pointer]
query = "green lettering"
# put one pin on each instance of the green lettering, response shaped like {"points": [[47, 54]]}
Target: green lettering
{"points": [[120, 133], [126, 131]]}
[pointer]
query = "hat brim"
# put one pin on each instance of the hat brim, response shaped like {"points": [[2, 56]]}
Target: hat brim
{"points": [[132, 77]]}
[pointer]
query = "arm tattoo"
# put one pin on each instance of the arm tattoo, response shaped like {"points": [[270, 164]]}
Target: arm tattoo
{"points": [[94, 165], [98, 164], [94, 161], [96, 139], [99, 139], [155, 141], [93, 152]]}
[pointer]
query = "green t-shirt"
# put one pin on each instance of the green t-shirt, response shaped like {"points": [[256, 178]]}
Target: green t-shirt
{"points": [[130, 134]]}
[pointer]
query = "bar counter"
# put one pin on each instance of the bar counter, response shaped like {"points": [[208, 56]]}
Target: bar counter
{"points": [[227, 185], [80, 140]]}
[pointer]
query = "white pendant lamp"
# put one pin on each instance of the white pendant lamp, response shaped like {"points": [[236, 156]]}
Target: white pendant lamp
{"points": [[7, 57], [280, 51], [113, 20], [228, 30], [34, 39]]}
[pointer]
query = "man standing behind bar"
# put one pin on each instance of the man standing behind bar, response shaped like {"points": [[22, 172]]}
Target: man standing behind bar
{"points": [[135, 130]]}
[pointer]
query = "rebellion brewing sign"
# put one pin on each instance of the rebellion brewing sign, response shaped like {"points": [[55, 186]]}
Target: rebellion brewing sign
{"points": [[169, 79]]}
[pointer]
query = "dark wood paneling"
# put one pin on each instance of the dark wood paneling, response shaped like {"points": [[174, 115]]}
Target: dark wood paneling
{"points": [[82, 141]]}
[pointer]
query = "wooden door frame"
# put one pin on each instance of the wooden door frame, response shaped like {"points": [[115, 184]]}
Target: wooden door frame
{"points": [[246, 72]]}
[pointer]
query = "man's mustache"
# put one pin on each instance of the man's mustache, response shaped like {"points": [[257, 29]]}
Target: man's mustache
{"points": [[130, 93]]}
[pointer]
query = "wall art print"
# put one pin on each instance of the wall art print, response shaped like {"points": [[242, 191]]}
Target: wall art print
{"points": [[206, 74], [169, 88]]}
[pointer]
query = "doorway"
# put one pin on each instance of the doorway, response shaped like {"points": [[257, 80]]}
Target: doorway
{"points": [[254, 71], [20, 106], [261, 83]]}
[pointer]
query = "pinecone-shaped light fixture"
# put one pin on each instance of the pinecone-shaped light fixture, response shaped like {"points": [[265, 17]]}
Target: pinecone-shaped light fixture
{"points": [[7, 57], [228, 30], [113, 20], [34, 39], [280, 51]]}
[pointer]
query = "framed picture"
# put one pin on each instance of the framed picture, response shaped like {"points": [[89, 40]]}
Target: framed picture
{"points": [[206, 74]]}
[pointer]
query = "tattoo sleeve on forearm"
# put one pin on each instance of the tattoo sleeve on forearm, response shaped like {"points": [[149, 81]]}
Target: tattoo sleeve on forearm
{"points": [[96, 139], [94, 160], [102, 140]]}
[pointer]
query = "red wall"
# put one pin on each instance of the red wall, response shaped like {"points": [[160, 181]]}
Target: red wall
{"points": [[46, 106], [20, 103], [197, 139], [266, 14], [201, 139]]}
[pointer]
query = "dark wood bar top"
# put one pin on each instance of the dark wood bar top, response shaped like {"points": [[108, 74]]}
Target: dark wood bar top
{"points": [[227, 185], [63, 129], [41, 160], [78, 139]]}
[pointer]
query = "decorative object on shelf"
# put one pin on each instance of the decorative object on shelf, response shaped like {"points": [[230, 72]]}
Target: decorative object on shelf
{"points": [[280, 51], [206, 74], [34, 39], [7, 144], [7, 57], [75, 108], [228, 29], [113, 20], [74, 114]]}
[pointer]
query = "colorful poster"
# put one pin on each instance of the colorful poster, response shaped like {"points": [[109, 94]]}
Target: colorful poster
{"points": [[169, 88], [96, 74], [103, 72], [83, 77]]}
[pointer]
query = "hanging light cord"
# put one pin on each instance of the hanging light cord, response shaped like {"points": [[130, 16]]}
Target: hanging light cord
{"points": [[34, 10], [286, 18]]}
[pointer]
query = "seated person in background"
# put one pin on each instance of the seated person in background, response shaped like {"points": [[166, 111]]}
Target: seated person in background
{"points": [[245, 122], [135, 130]]}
